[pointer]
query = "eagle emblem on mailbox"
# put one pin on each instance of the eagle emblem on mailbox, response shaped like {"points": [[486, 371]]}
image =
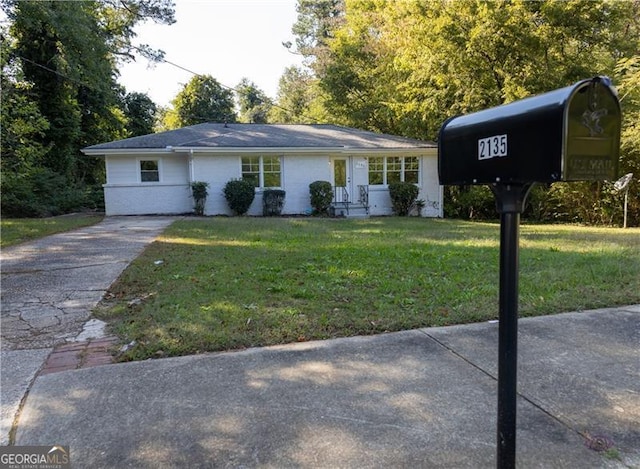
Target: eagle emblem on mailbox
{"points": [[591, 120]]}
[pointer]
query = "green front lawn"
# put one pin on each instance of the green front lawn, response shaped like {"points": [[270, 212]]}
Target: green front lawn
{"points": [[19, 230], [228, 283]]}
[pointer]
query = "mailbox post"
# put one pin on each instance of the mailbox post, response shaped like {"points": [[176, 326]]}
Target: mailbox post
{"points": [[570, 134], [510, 201]]}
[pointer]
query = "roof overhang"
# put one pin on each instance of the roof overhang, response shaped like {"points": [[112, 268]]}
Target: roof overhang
{"points": [[126, 151], [263, 150]]}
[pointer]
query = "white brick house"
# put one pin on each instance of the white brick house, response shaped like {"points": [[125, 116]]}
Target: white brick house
{"points": [[151, 174]]}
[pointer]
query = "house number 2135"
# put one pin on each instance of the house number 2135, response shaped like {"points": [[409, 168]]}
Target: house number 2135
{"points": [[492, 147]]}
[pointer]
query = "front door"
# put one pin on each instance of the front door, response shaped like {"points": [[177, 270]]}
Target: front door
{"points": [[341, 179], [340, 172]]}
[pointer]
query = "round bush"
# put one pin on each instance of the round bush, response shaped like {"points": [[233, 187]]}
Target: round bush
{"points": [[239, 195], [403, 196], [321, 194]]}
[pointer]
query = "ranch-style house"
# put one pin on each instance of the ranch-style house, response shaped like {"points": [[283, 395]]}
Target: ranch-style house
{"points": [[152, 174]]}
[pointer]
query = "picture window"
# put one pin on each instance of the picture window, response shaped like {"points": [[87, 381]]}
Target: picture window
{"points": [[262, 171], [384, 170]]}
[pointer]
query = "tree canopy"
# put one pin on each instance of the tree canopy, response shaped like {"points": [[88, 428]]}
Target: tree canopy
{"points": [[405, 67], [254, 104], [59, 66], [140, 112], [202, 99], [299, 99]]}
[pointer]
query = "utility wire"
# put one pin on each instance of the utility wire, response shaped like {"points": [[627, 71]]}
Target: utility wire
{"points": [[79, 82], [44, 67]]}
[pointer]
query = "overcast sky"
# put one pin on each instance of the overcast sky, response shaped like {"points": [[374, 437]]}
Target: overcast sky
{"points": [[227, 39]]}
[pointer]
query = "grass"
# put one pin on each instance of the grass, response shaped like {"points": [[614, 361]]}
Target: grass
{"points": [[19, 230], [229, 283]]}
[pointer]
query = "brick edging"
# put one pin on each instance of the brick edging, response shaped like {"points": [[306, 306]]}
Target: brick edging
{"points": [[73, 356]]}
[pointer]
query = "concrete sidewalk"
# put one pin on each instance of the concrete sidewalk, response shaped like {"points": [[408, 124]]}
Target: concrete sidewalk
{"points": [[423, 398], [50, 286]]}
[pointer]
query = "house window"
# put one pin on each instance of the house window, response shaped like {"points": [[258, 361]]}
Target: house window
{"points": [[262, 171], [271, 171], [411, 169], [251, 170], [390, 169], [394, 169], [149, 171], [376, 171]]}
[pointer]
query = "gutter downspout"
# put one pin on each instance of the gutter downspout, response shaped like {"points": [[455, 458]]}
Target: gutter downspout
{"points": [[191, 169]]}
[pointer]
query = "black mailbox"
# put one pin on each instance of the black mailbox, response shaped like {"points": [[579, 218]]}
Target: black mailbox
{"points": [[570, 134]]}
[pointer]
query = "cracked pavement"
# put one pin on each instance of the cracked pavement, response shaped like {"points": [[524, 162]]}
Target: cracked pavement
{"points": [[49, 288]]}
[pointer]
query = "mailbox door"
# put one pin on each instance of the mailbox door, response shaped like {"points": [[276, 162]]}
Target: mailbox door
{"points": [[592, 132]]}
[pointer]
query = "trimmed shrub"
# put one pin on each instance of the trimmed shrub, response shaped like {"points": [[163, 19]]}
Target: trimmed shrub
{"points": [[239, 195], [321, 194], [403, 197], [272, 202], [200, 193]]}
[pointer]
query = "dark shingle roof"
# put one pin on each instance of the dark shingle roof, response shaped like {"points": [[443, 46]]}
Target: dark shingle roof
{"points": [[218, 136]]}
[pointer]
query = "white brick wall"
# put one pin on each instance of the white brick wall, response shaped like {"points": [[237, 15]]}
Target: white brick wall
{"points": [[147, 199], [125, 195]]}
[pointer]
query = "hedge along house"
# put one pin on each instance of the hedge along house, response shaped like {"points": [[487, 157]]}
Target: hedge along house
{"points": [[152, 174]]}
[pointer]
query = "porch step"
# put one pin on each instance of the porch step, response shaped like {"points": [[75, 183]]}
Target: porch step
{"points": [[353, 211], [363, 215]]}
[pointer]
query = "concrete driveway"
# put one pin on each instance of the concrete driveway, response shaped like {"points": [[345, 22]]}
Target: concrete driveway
{"points": [[50, 286]]}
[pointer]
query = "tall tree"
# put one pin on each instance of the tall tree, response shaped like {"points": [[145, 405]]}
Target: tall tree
{"points": [[140, 112], [317, 20], [254, 104], [299, 99], [404, 67], [44, 32], [23, 126], [67, 53], [119, 18], [202, 99]]}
